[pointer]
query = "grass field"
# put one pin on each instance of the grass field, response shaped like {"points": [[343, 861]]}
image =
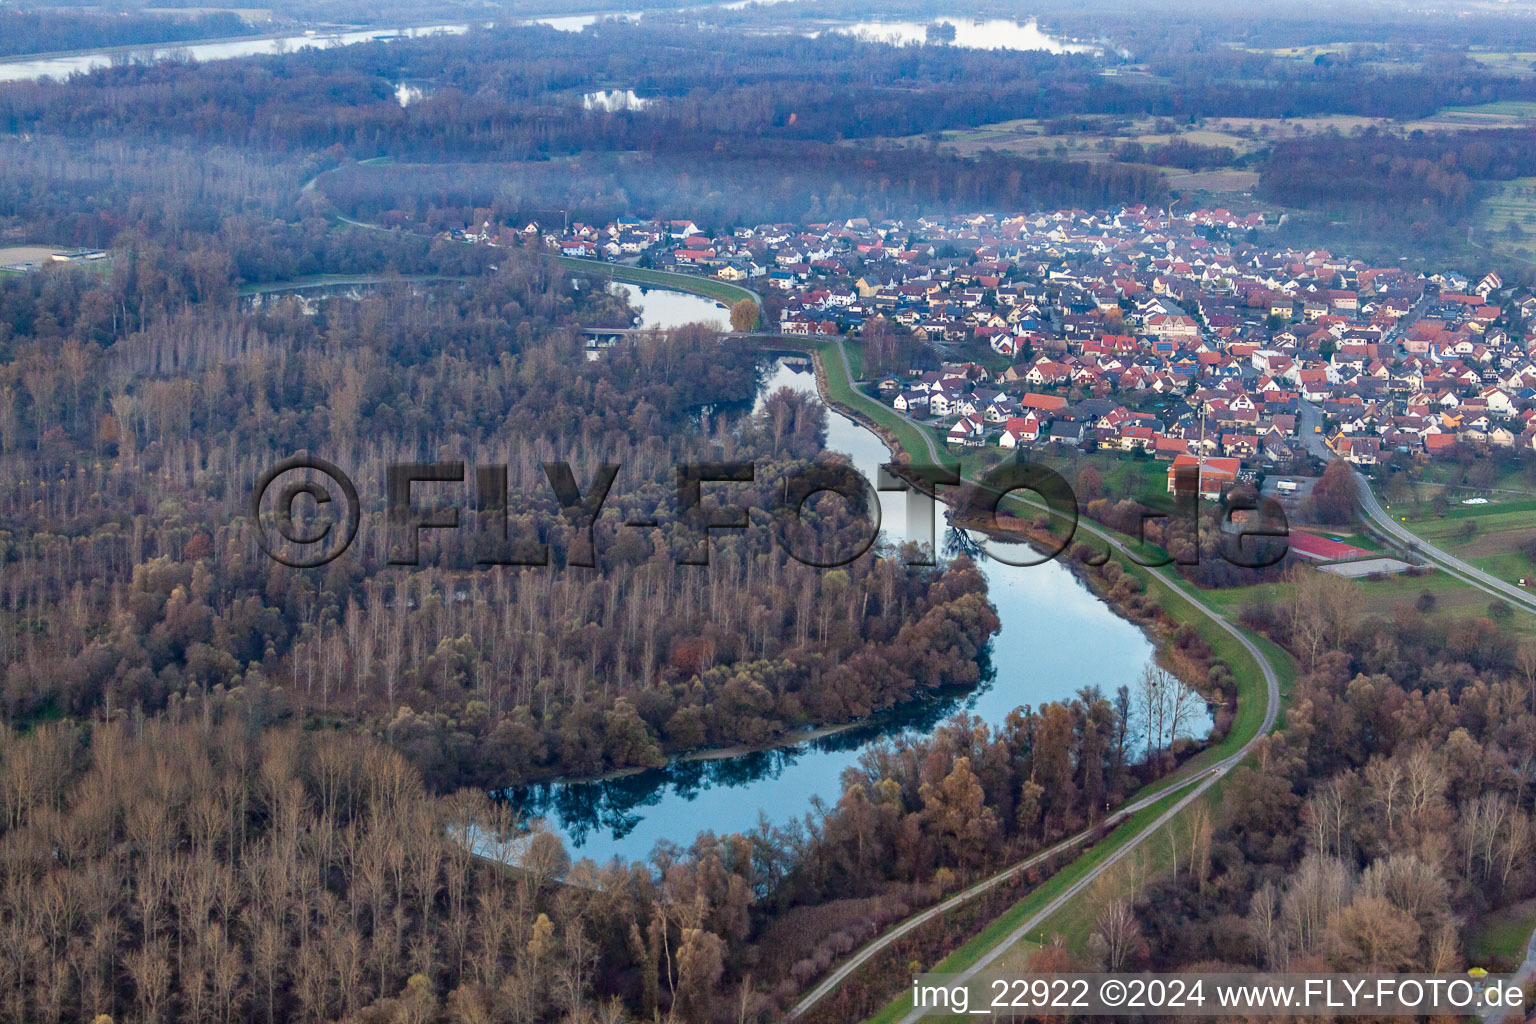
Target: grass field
{"points": [[721, 291], [1105, 134], [1504, 933], [1505, 112], [43, 254], [27, 253], [1122, 476], [1491, 537], [1510, 62], [1172, 594], [1507, 219], [1503, 525], [1225, 180], [1074, 923]]}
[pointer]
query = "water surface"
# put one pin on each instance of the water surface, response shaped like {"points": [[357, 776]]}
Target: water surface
{"points": [[665, 309], [988, 34], [972, 33], [1056, 638], [63, 67]]}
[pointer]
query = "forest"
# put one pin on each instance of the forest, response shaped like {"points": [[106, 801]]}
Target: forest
{"points": [[1407, 758], [1430, 180], [34, 31], [510, 98], [231, 790], [212, 864], [445, 658], [138, 404]]}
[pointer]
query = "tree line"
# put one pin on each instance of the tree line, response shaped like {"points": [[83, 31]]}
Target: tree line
{"points": [[214, 864], [46, 31]]}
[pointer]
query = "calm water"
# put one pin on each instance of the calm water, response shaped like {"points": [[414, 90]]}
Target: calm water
{"points": [[666, 309], [63, 67], [1056, 638], [987, 34]]}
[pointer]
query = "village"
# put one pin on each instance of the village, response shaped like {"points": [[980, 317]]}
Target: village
{"points": [[1183, 336]]}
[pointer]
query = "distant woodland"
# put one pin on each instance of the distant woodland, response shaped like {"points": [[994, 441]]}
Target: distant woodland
{"points": [[45, 31], [501, 123], [231, 790]]}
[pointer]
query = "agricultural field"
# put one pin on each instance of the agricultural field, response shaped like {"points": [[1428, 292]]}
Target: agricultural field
{"points": [[1312, 51], [14, 254], [1104, 135], [1032, 137], [1508, 217], [24, 258], [1503, 114], [1494, 537], [1505, 61], [1225, 180], [1100, 137]]}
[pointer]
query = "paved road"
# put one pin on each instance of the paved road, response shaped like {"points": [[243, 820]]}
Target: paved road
{"points": [[1311, 417], [1441, 559], [858, 959], [1524, 975], [1205, 781], [1195, 786], [1388, 524]]}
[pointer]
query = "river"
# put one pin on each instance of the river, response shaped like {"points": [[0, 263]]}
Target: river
{"points": [[220, 49], [984, 34], [1056, 638]]}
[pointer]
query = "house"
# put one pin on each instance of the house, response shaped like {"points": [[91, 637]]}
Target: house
{"points": [[1362, 451], [968, 431], [1135, 438], [1046, 404], [1440, 444], [1020, 430], [1211, 476], [1072, 432], [1172, 327], [1046, 373]]}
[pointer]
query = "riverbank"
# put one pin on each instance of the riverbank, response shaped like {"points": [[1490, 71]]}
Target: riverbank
{"points": [[300, 284], [1074, 639], [1261, 672], [788, 741], [721, 291], [1159, 632]]}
